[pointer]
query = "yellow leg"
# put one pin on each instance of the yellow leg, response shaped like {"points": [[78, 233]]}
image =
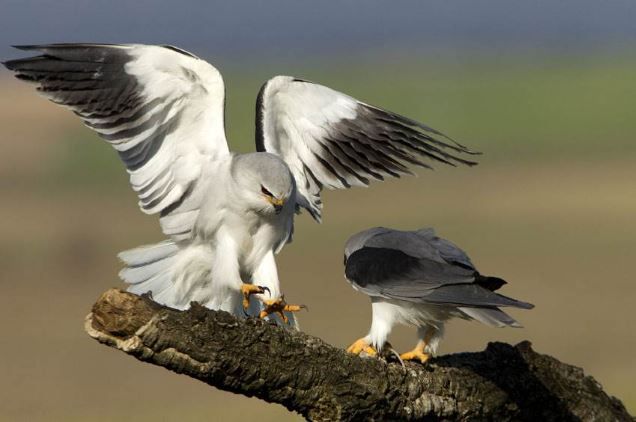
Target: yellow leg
{"points": [[248, 290], [279, 307], [360, 346], [417, 353]]}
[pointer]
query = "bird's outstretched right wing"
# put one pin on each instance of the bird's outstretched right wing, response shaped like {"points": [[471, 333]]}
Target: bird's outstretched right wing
{"points": [[161, 108], [332, 140]]}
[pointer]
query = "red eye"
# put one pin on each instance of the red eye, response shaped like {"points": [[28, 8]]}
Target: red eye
{"points": [[265, 191]]}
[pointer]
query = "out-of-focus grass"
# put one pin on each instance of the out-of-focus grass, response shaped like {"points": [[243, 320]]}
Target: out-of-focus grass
{"points": [[550, 208]]}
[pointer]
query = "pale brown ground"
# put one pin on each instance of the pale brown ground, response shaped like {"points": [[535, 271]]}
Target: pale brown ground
{"points": [[560, 231]]}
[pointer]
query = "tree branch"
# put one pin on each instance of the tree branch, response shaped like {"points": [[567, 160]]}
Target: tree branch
{"points": [[321, 382]]}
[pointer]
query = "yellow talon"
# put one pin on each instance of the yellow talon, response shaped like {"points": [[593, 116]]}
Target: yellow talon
{"points": [[250, 289], [417, 353], [360, 346], [279, 307]]}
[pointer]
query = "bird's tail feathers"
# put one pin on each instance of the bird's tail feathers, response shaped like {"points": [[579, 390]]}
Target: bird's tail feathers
{"points": [[149, 269], [175, 276], [493, 317], [148, 254], [508, 301]]}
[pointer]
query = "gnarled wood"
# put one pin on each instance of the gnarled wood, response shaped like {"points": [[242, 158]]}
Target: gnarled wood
{"points": [[321, 382]]}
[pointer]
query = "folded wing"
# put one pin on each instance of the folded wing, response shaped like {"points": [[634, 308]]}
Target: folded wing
{"points": [[332, 140], [394, 274], [159, 107]]}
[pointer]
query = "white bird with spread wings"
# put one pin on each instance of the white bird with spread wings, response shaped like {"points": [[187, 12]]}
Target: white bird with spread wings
{"points": [[225, 214]]}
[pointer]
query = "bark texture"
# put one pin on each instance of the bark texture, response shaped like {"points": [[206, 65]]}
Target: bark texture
{"points": [[321, 382]]}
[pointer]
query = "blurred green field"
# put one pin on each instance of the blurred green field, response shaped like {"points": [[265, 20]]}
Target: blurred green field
{"points": [[551, 209]]}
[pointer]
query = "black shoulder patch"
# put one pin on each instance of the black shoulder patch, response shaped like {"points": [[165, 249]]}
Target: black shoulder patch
{"points": [[375, 265]]}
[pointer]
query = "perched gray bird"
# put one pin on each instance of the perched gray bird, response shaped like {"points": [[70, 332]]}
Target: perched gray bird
{"points": [[225, 214], [416, 278]]}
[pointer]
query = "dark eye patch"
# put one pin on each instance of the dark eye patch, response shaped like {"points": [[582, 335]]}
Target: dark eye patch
{"points": [[265, 191]]}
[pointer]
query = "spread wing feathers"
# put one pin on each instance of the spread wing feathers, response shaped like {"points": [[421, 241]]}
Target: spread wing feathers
{"points": [[161, 108], [393, 274], [331, 140]]}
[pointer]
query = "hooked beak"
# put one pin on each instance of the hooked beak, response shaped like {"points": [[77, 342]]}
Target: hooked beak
{"points": [[276, 203]]}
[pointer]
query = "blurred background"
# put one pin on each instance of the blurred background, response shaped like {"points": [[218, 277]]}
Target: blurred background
{"points": [[545, 89]]}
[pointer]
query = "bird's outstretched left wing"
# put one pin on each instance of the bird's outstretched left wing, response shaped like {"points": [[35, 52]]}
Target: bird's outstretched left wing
{"points": [[332, 140], [161, 108]]}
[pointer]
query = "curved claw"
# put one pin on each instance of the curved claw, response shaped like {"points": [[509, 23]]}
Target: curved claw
{"points": [[361, 345], [148, 295], [279, 307], [417, 355], [397, 355], [295, 308], [250, 289]]}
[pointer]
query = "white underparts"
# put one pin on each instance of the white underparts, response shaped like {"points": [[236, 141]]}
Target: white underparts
{"points": [[428, 318]]}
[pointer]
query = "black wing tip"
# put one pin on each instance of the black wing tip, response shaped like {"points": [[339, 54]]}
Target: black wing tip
{"points": [[462, 148], [13, 65], [26, 47], [432, 135], [41, 47], [469, 163], [18, 65], [456, 146], [63, 45], [471, 152], [451, 159]]}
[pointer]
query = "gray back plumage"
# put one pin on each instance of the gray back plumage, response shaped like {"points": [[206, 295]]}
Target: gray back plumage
{"points": [[423, 243], [358, 240], [419, 266]]}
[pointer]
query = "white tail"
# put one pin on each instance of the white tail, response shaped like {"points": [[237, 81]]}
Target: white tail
{"points": [[493, 317], [177, 275], [149, 268]]}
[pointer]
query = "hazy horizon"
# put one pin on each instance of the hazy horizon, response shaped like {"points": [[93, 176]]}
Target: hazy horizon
{"points": [[288, 29]]}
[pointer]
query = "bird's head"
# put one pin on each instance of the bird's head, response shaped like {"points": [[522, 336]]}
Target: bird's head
{"points": [[266, 183]]}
